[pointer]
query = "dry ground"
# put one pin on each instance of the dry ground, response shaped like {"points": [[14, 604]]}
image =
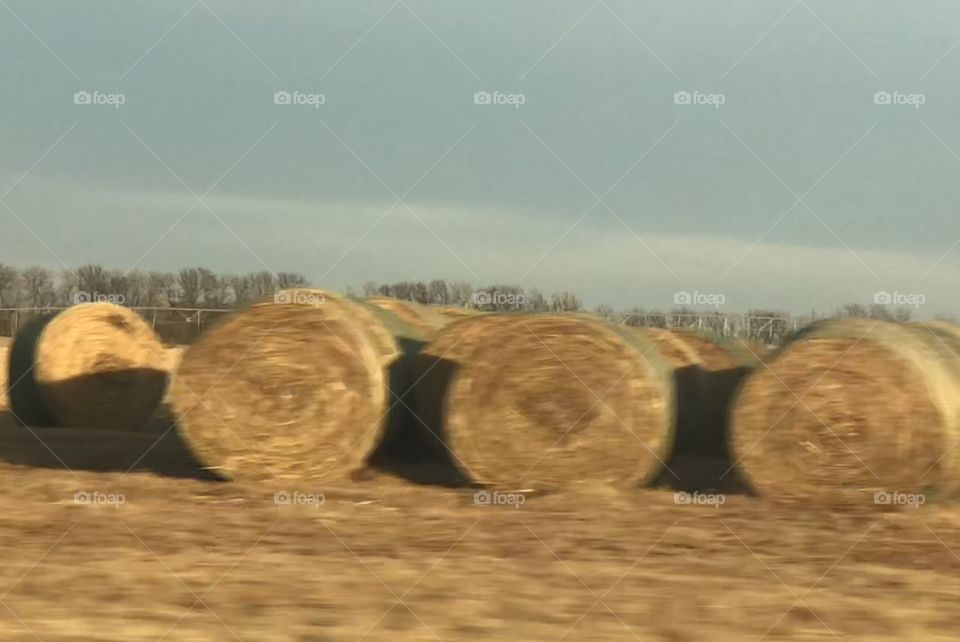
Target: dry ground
{"points": [[384, 559]]}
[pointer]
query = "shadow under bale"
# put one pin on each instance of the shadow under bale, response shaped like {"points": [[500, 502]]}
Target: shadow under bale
{"points": [[158, 449], [23, 392], [702, 459], [409, 449]]}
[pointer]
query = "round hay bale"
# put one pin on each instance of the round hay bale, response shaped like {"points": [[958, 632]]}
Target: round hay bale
{"points": [[454, 312], [425, 320], [850, 408], [4, 365], [293, 387], [684, 347], [542, 400], [94, 365], [172, 356], [677, 352]]}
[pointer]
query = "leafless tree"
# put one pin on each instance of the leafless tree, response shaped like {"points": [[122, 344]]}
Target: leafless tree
{"points": [[291, 280], [565, 301], [190, 287], [8, 286], [37, 287], [93, 279]]}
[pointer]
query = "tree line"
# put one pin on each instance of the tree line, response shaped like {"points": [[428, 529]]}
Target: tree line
{"points": [[198, 287], [38, 287]]}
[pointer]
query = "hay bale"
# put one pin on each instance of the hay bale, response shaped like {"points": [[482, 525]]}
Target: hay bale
{"points": [[425, 320], [684, 347], [454, 312], [4, 365], [94, 365], [879, 411], [543, 400], [677, 352], [287, 390], [172, 357]]}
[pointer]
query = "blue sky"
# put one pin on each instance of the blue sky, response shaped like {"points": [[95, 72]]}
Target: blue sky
{"points": [[801, 190]]}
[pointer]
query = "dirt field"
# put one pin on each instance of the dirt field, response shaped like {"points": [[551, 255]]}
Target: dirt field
{"points": [[381, 558]]}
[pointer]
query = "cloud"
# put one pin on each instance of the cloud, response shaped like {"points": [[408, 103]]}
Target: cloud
{"points": [[343, 243]]}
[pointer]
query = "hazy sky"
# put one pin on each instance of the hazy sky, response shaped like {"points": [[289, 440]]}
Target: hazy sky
{"points": [[799, 191]]}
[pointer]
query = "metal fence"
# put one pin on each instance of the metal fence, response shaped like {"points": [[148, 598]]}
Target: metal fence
{"points": [[769, 330], [174, 325], [184, 325]]}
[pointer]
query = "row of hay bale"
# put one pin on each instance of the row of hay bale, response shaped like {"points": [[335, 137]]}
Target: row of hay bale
{"points": [[507, 399], [312, 386]]}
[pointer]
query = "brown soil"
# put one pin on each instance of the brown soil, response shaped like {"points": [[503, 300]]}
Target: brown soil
{"points": [[385, 559]]}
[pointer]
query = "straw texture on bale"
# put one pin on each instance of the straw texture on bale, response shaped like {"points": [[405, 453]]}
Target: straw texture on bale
{"points": [[543, 400], [4, 369], [94, 365], [426, 321], [850, 408], [287, 390], [677, 352], [453, 312], [172, 356], [683, 347]]}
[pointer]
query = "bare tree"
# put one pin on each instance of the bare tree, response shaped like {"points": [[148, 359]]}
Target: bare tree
{"points": [[118, 284], [264, 284], [291, 280], [8, 286], [37, 287], [437, 292], [606, 313], [460, 293], [370, 288], [536, 302], [190, 287], [213, 288], [565, 301], [138, 291], [242, 287], [156, 288], [68, 284], [93, 279]]}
